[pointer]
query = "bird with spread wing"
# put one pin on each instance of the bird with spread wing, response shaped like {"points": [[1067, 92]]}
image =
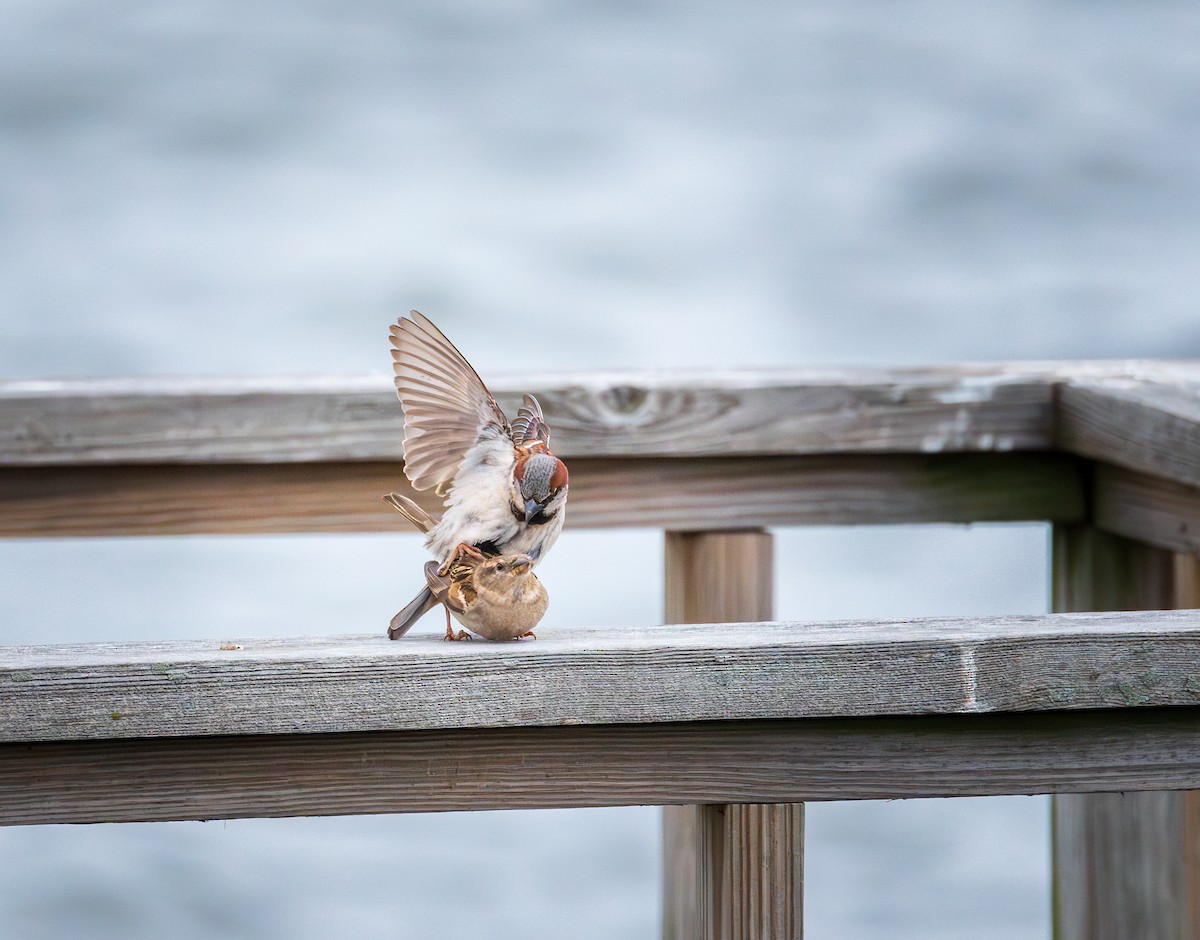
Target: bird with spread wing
{"points": [[505, 491]]}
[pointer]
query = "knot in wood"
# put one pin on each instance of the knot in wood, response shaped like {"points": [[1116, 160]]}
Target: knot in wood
{"points": [[624, 399]]}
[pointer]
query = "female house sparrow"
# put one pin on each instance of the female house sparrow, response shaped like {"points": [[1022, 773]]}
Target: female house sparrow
{"points": [[506, 491], [498, 597]]}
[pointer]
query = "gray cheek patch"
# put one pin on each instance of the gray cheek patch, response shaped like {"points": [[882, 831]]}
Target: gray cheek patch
{"points": [[538, 470]]}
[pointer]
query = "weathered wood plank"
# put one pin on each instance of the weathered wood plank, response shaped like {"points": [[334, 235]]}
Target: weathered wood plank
{"points": [[687, 833], [1119, 866], [716, 872], [1141, 415], [1097, 570], [764, 845], [1143, 425], [719, 577], [955, 408], [613, 765], [601, 676], [1150, 509], [1125, 864], [681, 494]]}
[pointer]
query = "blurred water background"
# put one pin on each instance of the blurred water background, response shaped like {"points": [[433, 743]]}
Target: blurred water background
{"points": [[226, 188]]}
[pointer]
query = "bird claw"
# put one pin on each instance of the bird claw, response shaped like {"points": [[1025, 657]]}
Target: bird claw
{"points": [[530, 634], [463, 548], [460, 635]]}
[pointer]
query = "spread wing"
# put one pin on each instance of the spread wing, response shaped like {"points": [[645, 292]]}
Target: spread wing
{"points": [[529, 425], [446, 405]]}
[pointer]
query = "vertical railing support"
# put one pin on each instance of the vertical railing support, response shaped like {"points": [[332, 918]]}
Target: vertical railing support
{"points": [[1125, 864], [731, 872]]}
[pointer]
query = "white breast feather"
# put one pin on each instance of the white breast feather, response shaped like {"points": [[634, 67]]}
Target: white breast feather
{"points": [[477, 507]]}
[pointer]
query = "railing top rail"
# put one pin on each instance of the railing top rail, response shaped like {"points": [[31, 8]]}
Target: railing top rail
{"points": [[602, 676], [963, 443], [971, 407]]}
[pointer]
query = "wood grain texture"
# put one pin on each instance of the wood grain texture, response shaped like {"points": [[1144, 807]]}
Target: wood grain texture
{"points": [[719, 876], [601, 675], [719, 577], [1142, 425], [1150, 509], [764, 862], [699, 493], [1125, 864], [993, 407], [693, 846], [608, 765], [955, 408], [1094, 570], [686, 833], [185, 420], [1119, 866]]}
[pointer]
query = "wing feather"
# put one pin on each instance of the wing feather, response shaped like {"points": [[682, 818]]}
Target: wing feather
{"points": [[446, 405], [423, 520], [436, 583], [529, 424]]}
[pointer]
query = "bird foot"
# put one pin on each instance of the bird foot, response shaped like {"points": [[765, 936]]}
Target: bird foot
{"points": [[530, 634], [460, 635], [463, 548]]}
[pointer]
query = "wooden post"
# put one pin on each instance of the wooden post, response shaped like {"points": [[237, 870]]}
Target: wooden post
{"points": [[1125, 864], [731, 872]]}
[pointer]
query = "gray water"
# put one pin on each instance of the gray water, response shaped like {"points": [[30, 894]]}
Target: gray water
{"points": [[260, 189]]}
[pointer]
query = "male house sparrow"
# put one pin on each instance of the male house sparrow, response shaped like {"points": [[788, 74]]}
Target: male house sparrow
{"points": [[507, 492], [499, 597]]}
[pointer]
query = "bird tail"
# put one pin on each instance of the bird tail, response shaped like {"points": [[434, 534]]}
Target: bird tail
{"points": [[412, 612], [412, 512]]}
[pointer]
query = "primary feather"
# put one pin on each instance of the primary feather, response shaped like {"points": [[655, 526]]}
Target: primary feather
{"points": [[446, 404], [459, 442]]}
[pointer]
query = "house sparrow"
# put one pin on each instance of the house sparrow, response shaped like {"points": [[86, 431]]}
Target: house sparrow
{"points": [[499, 597], [496, 596], [505, 491]]}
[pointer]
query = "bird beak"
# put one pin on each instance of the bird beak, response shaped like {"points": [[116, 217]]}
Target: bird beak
{"points": [[521, 567], [532, 508]]}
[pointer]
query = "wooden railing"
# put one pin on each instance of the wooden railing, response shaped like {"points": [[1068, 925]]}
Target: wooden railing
{"points": [[733, 727]]}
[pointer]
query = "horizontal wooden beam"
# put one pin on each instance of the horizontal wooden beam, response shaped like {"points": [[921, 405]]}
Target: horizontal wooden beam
{"points": [[679, 494], [289, 455], [952, 409], [610, 765], [592, 676], [1140, 424], [1150, 509]]}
